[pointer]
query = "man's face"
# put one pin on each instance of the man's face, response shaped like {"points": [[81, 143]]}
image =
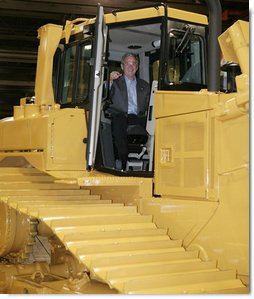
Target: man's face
{"points": [[130, 67]]}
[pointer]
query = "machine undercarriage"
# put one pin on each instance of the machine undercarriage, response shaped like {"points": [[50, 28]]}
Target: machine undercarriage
{"points": [[59, 238]]}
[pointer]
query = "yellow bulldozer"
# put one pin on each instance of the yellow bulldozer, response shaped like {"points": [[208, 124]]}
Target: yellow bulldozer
{"points": [[177, 220]]}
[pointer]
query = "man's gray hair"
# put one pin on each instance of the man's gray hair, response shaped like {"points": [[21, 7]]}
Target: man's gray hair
{"points": [[130, 55]]}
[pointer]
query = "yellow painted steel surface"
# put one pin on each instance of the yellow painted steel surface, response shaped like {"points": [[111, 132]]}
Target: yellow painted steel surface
{"points": [[192, 237], [113, 242], [49, 39], [52, 149], [59, 145], [137, 14], [202, 164], [148, 13]]}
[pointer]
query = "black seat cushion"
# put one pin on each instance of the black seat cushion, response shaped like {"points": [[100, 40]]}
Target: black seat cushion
{"points": [[136, 134]]}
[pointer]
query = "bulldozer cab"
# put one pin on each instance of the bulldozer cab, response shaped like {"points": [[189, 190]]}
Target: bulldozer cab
{"points": [[171, 47]]}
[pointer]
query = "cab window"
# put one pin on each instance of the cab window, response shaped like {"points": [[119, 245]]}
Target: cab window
{"points": [[184, 63], [72, 73], [68, 74]]}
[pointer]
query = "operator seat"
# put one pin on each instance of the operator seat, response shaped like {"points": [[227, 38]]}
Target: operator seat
{"points": [[141, 141], [137, 152]]}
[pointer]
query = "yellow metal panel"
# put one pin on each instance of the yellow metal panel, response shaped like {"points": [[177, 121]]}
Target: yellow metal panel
{"points": [[58, 145], [233, 145], [181, 156], [232, 183], [23, 134], [184, 218], [138, 14], [187, 16], [66, 149], [127, 190], [153, 12], [181, 102], [50, 36], [234, 43]]}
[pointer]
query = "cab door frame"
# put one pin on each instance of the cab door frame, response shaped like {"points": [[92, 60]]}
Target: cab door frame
{"points": [[96, 86]]}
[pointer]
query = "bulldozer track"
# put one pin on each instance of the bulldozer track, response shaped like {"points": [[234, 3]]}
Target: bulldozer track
{"points": [[117, 245]]}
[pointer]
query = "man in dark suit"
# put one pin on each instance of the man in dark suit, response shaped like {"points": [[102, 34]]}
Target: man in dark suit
{"points": [[129, 100]]}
